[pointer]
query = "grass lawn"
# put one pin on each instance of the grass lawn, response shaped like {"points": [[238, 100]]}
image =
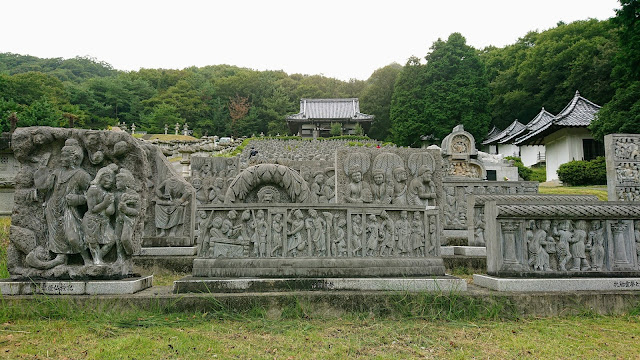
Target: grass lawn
{"points": [[147, 335], [599, 191]]}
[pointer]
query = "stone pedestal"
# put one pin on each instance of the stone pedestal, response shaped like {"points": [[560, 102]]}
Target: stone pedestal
{"points": [[75, 287]]}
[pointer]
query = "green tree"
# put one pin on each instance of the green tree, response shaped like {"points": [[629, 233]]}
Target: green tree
{"points": [[160, 115], [622, 113], [376, 99], [407, 104]]}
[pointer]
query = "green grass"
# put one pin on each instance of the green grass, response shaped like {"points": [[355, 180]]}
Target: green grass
{"points": [[599, 191], [5, 223], [144, 335]]}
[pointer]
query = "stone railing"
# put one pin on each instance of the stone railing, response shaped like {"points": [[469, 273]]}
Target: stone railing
{"points": [[562, 239]]}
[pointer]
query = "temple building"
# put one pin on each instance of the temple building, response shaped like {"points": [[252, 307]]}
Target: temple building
{"points": [[317, 115], [566, 136]]}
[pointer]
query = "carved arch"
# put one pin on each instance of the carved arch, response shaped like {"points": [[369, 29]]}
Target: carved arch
{"points": [[256, 175]]}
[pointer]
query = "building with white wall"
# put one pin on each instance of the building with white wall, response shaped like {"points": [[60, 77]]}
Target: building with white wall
{"points": [[565, 136]]}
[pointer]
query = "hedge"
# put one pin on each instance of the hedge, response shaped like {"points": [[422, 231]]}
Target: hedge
{"points": [[583, 172]]}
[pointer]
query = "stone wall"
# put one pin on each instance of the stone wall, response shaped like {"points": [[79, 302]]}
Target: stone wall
{"points": [[562, 239]]}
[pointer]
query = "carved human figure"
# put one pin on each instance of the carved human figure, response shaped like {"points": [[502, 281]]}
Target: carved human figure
{"points": [[340, 240], [296, 243], [577, 247], [96, 224], [400, 187], [417, 234], [64, 190], [403, 234], [421, 189], [170, 206], [204, 223], [201, 192], [636, 235], [432, 236], [328, 190], [216, 194], [537, 240], [260, 235], [247, 230], [564, 233], [387, 243], [205, 171], [358, 191], [318, 192], [315, 226], [381, 191], [356, 235], [596, 242], [450, 210], [92, 141], [373, 235], [276, 235], [479, 229], [127, 211], [228, 228]]}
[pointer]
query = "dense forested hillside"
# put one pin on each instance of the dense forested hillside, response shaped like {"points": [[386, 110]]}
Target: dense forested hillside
{"points": [[453, 83]]}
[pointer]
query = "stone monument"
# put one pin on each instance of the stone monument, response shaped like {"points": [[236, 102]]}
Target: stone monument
{"points": [[623, 166]]}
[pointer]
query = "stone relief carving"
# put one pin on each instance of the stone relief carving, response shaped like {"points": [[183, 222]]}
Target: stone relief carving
{"points": [[285, 231], [564, 243], [171, 200], [623, 166], [81, 201]]}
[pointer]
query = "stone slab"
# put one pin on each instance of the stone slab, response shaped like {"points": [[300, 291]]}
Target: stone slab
{"points": [[447, 251], [209, 285], [311, 267], [75, 287], [557, 285], [470, 250], [169, 251]]}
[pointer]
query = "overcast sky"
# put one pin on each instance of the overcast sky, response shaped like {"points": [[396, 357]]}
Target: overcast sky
{"points": [[342, 39]]}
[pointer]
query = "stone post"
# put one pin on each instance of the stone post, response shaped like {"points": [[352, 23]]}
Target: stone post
{"points": [[620, 260]]}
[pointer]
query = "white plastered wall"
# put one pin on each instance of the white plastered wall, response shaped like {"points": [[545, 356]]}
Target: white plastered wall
{"points": [[563, 146]]}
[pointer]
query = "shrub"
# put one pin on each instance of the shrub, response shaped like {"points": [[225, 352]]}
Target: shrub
{"points": [[336, 129], [523, 171], [582, 172]]}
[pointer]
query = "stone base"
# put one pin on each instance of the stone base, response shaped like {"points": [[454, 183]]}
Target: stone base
{"points": [[166, 241], [169, 251], [318, 267], [557, 285], [455, 237], [470, 250], [208, 285], [75, 287], [447, 251]]}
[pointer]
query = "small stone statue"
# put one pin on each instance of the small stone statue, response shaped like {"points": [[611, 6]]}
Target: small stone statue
{"points": [[170, 206], [577, 247], [421, 189], [381, 190], [204, 223], [400, 188], [65, 188], [96, 224], [276, 235], [596, 240], [340, 240], [260, 235], [373, 235], [386, 233], [403, 234], [562, 248], [296, 242], [356, 235], [359, 191], [417, 234]]}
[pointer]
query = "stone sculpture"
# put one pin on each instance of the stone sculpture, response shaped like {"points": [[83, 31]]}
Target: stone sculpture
{"points": [[171, 201], [575, 241], [623, 166], [81, 203]]}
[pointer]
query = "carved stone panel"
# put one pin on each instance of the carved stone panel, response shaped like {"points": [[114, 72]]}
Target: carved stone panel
{"points": [[623, 166], [332, 231], [562, 239]]}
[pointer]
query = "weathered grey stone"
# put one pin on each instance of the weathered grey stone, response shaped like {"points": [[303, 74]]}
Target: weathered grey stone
{"points": [[60, 287], [305, 267], [558, 285], [562, 238], [205, 285], [460, 156], [83, 199], [475, 209], [623, 166], [169, 251], [470, 250]]}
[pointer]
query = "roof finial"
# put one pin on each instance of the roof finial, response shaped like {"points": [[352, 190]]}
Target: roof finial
{"points": [[543, 108], [577, 93]]}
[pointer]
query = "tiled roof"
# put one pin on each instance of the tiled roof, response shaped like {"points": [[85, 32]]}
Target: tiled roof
{"points": [[578, 113], [514, 127], [330, 109], [538, 121]]}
